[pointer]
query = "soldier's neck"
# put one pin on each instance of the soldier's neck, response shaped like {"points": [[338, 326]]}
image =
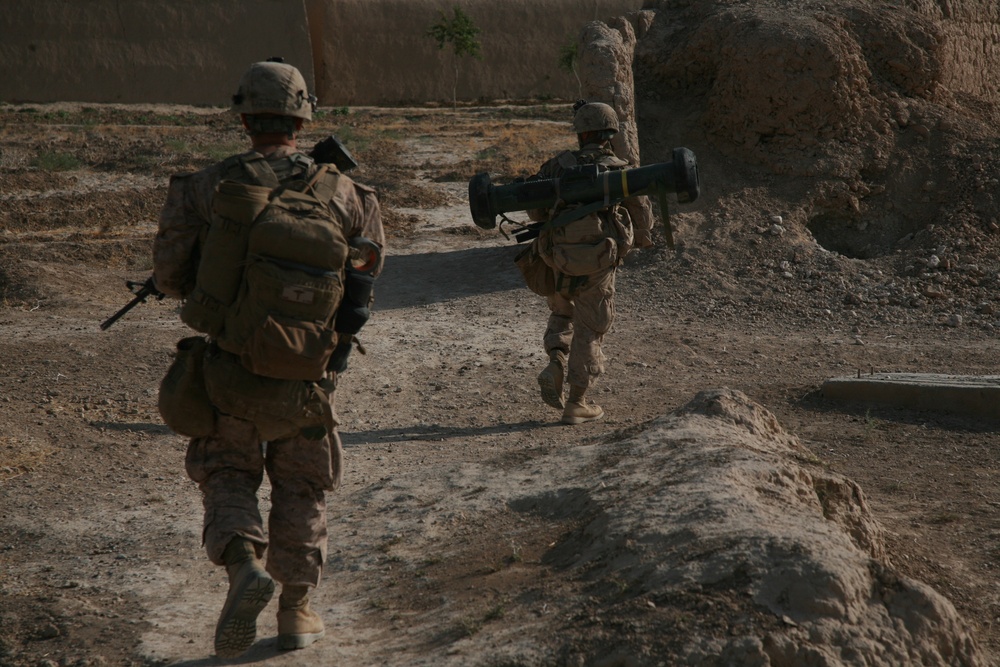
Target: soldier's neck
{"points": [[265, 144]]}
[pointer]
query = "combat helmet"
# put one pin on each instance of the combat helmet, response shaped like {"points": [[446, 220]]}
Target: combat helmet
{"points": [[274, 87], [594, 117]]}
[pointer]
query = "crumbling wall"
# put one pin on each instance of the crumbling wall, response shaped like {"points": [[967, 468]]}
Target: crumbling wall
{"points": [[606, 51], [183, 51], [364, 52], [970, 48]]}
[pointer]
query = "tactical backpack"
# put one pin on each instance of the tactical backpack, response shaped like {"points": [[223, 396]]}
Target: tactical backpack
{"points": [[271, 273]]}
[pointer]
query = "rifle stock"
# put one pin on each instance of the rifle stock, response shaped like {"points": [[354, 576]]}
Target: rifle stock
{"points": [[146, 290]]}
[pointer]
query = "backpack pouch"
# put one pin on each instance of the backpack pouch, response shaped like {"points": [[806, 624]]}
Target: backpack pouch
{"points": [[278, 408], [183, 400], [223, 253], [289, 349], [284, 318], [538, 276], [290, 229], [584, 259]]}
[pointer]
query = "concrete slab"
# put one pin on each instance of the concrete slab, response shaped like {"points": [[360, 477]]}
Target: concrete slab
{"points": [[973, 395]]}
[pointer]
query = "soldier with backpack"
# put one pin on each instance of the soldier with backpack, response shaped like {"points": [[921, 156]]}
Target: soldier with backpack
{"points": [[274, 257], [580, 260]]}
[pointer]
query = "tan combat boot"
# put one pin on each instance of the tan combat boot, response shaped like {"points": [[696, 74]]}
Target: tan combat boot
{"points": [[550, 380], [250, 589], [578, 409], [298, 625]]}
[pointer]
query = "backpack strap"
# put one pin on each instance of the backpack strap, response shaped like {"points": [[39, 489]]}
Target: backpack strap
{"points": [[256, 167], [323, 184]]}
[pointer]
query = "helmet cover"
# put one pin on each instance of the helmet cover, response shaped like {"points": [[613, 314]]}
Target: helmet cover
{"points": [[595, 117], [274, 88]]}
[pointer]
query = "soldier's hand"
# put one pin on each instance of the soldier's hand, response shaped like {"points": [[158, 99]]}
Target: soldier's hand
{"points": [[338, 360]]}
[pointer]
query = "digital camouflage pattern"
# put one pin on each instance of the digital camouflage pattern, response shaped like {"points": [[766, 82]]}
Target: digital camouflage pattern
{"points": [[582, 309], [228, 467], [229, 463]]}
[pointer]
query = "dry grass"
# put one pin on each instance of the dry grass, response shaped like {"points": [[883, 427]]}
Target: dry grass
{"points": [[59, 148], [20, 455]]}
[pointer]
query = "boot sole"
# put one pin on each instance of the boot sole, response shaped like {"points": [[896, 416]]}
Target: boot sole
{"points": [[550, 393], [581, 420], [293, 642], [237, 626]]}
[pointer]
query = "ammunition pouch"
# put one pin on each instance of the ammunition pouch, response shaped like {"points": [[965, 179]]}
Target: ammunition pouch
{"points": [[353, 312], [183, 400], [538, 276]]}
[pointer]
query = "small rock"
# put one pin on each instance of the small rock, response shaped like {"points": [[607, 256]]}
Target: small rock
{"points": [[47, 631], [776, 230], [954, 320], [933, 261]]}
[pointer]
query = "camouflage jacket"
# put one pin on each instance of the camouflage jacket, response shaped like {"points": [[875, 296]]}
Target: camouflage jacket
{"points": [[187, 213]]}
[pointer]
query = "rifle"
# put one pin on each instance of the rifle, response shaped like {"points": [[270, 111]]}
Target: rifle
{"points": [[142, 291], [589, 188], [333, 151]]}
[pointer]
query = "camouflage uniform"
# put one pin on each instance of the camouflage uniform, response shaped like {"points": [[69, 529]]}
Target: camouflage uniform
{"points": [[583, 307], [228, 464]]}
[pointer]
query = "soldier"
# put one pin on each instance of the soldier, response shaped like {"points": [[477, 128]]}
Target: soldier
{"points": [[584, 255], [228, 463]]}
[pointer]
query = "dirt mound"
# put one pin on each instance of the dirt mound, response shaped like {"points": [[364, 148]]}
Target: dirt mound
{"points": [[717, 503], [832, 131]]}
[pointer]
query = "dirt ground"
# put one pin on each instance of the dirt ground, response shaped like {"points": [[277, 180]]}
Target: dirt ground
{"points": [[100, 561]]}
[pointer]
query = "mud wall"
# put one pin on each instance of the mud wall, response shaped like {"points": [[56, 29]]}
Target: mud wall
{"points": [[377, 51], [182, 51], [362, 51], [970, 45]]}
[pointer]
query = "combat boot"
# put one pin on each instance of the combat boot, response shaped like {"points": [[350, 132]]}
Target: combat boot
{"points": [[250, 589], [579, 409], [550, 380], [298, 625]]}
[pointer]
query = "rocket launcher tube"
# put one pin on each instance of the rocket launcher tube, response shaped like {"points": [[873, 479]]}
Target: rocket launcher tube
{"points": [[585, 185]]}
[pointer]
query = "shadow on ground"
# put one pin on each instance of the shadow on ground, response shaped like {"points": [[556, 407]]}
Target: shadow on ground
{"points": [[413, 280]]}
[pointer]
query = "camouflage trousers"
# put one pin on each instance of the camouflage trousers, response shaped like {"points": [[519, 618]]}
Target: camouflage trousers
{"points": [[582, 311], [229, 465]]}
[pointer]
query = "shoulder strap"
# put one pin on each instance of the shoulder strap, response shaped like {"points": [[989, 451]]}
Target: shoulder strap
{"points": [[323, 184], [567, 159], [256, 167]]}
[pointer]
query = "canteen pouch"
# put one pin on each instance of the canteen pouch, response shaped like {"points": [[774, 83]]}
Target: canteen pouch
{"points": [[183, 401]]}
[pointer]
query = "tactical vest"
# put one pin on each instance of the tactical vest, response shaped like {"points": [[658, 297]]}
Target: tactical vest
{"points": [[594, 242], [271, 273]]}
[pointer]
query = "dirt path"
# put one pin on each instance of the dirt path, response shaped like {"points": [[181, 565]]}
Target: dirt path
{"points": [[429, 564]]}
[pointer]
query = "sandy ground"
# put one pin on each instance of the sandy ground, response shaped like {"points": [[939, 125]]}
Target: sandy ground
{"points": [[100, 561]]}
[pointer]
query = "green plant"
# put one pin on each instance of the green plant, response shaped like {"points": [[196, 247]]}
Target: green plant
{"points": [[55, 161], [568, 56], [463, 35], [494, 614]]}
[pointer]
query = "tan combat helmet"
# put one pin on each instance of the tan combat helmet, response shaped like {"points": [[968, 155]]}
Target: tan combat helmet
{"points": [[274, 87], [594, 117]]}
